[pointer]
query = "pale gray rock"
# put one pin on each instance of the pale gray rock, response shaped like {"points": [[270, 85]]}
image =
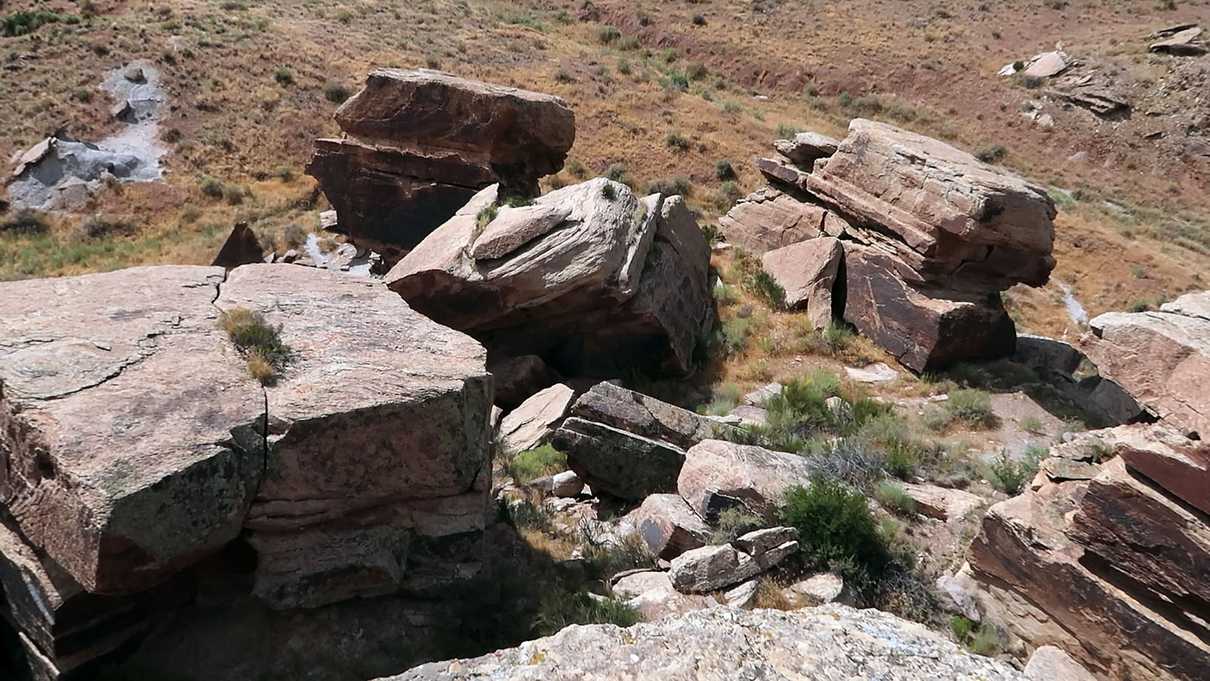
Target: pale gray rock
{"points": [[819, 589], [710, 568], [512, 228], [763, 394], [829, 642], [532, 423], [1049, 663], [644, 415], [959, 593], [651, 593], [877, 372], [743, 596], [942, 503], [718, 475], [805, 148]]}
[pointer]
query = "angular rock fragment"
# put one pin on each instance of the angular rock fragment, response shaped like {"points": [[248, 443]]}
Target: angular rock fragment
{"points": [[532, 423], [718, 475], [517, 378], [807, 273], [805, 148], [715, 567], [616, 462], [942, 503], [651, 593], [242, 247], [643, 415], [770, 219], [422, 143], [622, 283], [669, 526]]}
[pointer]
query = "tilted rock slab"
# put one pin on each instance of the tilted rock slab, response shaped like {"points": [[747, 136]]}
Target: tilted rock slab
{"points": [[1161, 358], [828, 642], [711, 568], [619, 283], [807, 272], [769, 219], [1110, 567], [718, 475], [669, 526], [532, 423], [135, 444], [422, 142]]}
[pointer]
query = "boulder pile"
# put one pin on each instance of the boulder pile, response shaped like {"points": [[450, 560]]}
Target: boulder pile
{"points": [[1106, 556], [157, 500], [930, 236], [419, 144], [591, 278]]}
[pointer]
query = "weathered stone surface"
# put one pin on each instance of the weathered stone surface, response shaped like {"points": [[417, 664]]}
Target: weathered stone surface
{"points": [[955, 219], [1049, 663], [711, 568], [517, 378], [241, 248], [1047, 64], [131, 436], [1186, 42], [959, 593], [669, 526], [769, 219], [623, 282], [1161, 358], [643, 415], [423, 142], [1047, 356], [616, 462], [806, 148], [1178, 465], [532, 423], [651, 593], [512, 228], [925, 328], [818, 589], [1110, 569], [377, 433], [782, 173], [722, 643], [807, 272], [940, 502], [718, 475]]}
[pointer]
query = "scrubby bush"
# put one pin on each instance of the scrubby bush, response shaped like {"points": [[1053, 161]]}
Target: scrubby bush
{"points": [[608, 192], [733, 335], [559, 610], [1009, 475], [892, 497], [608, 34], [24, 222], [23, 23], [606, 556], [677, 141], [259, 341], [723, 170], [972, 407], [761, 284], [670, 186], [991, 154], [336, 93], [282, 76], [535, 463], [211, 187], [835, 530], [733, 523], [617, 173]]}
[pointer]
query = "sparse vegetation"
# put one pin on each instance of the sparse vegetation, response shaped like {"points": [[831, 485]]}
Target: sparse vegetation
{"points": [[24, 222], [535, 463], [559, 610], [892, 497], [835, 530], [336, 93], [732, 523], [1009, 475], [259, 341]]}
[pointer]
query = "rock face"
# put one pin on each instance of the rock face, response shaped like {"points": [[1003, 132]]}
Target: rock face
{"points": [[831, 641], [1102, 561], [135, 446], [931, 237], [718, 475], [532, 423], [421, 143], [619, 283], [807, 271], [806, 148], [1161, 358], [669, 526]]}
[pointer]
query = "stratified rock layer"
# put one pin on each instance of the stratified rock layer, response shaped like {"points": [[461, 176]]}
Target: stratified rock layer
{"points": [[140, 460], [619, 284], [828, 642], [421, 143], [1102, 561]]}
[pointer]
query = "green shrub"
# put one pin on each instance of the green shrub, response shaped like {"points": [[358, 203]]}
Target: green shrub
{"points": [[605, 557], [762, 285], [725, 398], [670, 186], [892, 497], [336, 93], [677, 141], [786, 131], [733, 523], [211, 187], [734, 335], [835, 529], [558, 610], [535, 463], [24, 222], [282, 76], [23, 23], [608, 192], [608, 34], [617, 173], [991, 154], [723, 170], [485, 216], [259, 341], [982, 639], [972, 407], [836, 338]]}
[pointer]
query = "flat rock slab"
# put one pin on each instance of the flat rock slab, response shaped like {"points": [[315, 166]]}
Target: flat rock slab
{"points": [[830, 641], [532, 423], [769, 219]]}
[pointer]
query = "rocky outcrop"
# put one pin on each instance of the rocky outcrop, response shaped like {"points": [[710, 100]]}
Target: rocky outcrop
{"points": [[1161, 358], [807, 272], [619, 284], [721, 643], [805, 148], [136, 449], [421, 143], [941, 503], [718, 475], [1102, 561], [711, 568], [931, 237]]}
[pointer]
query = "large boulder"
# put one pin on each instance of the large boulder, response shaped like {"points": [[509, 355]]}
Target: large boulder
{"points": [[669, 526], [718, 475], [828, 642], [1161, 358], [652, 594], [1103, 562], [619, 283], [135, 444], [420, 143], [770, 218]]}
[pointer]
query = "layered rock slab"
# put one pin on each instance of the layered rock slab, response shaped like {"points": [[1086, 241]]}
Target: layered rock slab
{"points": [[826, 642], [1161, 358], [421, 143], [620, 282]]}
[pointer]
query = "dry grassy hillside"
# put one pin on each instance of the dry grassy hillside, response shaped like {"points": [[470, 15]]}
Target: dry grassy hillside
{"points": [[664, 92]]}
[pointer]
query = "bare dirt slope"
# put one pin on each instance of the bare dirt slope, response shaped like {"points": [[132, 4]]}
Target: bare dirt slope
{"points": [[664, 90]]}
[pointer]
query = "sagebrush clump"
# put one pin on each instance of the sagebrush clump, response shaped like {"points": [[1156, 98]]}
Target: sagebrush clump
{"points": [[258, 341]]}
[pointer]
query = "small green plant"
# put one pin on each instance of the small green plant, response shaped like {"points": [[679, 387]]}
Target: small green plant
{"points": [[734, 335], [608, 192], [24, 23], [981, 639], [786, 131], [835, 529], [1033, 425], [991, 154], [336, 93], [24, 222], [211, 187], [723, 170], [608, 34], [893, 498], [725, 398], [972, 407], [282, 76], [836, 338], [733, 523], [1010, 475], [259, 341], [558, 610], [670, 186], [617, 173], [485, 216], [535, 463], [764, 286], [677, 141]]}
